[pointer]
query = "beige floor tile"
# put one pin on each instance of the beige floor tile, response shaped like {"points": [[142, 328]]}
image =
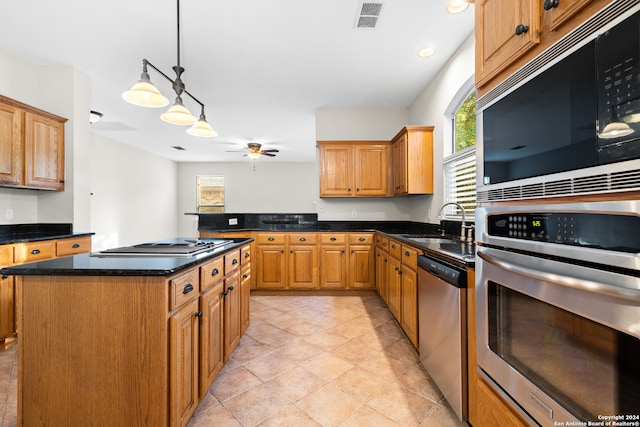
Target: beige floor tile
{"points": [[296, 383], [385, 367], [349, 330], [304, 328], [401, 405], [290, 416], [441, 416], [366, 416], [231, 382], [258, 328], [327, 366], [299, 350], [353, 351], [326, 340], [417, 379], [250, 351], [361, 384], [277, 339], [208, 401], [403, 350], [391, 329], [329, 405], [263, 314], [376, 340], [269, 366], [217, 416], [255, 405]]}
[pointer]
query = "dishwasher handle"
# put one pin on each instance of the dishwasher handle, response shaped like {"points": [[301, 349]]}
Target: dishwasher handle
{"points": [[453, 275]]}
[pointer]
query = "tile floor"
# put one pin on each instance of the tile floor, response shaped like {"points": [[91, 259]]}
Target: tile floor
{"points": [[308, 361]]}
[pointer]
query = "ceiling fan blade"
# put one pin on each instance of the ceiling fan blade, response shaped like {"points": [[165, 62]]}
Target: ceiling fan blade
{"points": [[268, 154], [272, 150]]}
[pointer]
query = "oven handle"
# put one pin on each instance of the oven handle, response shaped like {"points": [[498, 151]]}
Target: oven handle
{"points": [[567, 281]]}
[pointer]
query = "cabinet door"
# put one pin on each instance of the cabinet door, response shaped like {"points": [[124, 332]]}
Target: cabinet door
{"points": [[382, 264], [7, 307], [505, 30], [492, 411], [231, 313], [245, 298], [10, 145], [557, 13], [400, 165], [333, 267], [361, 267], [372, 170], [409, 301], [211, 336], [303, 267], [271, 267], [44, 152], [183, 329], [393, 289], [336, 170]]}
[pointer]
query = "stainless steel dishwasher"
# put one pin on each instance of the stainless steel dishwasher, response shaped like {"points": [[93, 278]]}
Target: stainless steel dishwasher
{"points": [[442, 314]]}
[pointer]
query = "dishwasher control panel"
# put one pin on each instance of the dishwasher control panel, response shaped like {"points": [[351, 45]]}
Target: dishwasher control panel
{"points": [[444, 271]]}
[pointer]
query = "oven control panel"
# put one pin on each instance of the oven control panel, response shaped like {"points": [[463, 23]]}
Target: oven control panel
{"points": [[605, 231]]}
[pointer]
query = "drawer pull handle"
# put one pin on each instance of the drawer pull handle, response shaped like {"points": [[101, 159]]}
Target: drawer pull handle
{"points": [[224, 293], [76, 245], [333, 239], [521, 29], [271, 239], [234, 261], [35, 252], [215, 271], [245, 276], [407, 253], [188, 288], [302, 239], [362, 239], [230, 288], [198, 314], [393, 246], [550, 4], [246, 254]]}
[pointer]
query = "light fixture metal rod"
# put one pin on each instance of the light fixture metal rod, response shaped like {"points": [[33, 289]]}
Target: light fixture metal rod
{"points": [[178, 32], [146, 62]]}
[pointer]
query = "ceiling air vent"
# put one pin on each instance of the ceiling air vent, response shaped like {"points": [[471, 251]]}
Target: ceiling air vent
{"points": [[369, 12]]}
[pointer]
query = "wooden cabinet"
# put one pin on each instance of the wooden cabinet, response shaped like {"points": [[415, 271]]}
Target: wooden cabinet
{"points": [[271, 261], [361, 261], [31, 147], [492, 410], [382, 266], [302, 261], [413, 161], [211, 336], [183, 330], [245, 288], [393, 287], [354, 169], [510, 33], [334, 272], [232, 303]]}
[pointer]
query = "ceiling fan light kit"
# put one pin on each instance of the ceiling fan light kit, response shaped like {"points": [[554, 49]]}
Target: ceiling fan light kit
{"points": [[145, 94]]}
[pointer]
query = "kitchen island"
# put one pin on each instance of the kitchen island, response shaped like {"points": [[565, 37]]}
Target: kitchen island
{"points": [[126, 341]]}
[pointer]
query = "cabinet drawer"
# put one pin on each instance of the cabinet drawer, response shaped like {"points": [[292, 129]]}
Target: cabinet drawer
{"points": [[410, 257], [303, 238], [211, 273], [231, 261], [270, 239], [245, 255], [361, 238], [385, 244], [66, 247], [33, 251], [184, 287], [6, 255], [395, 249], [330, 238]]}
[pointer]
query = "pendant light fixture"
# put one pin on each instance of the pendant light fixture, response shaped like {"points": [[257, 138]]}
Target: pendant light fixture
{"points": [[145, 94]]}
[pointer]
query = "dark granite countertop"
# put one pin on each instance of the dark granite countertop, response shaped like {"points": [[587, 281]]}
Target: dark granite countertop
{"points": [[95, 264], [22, 233]]}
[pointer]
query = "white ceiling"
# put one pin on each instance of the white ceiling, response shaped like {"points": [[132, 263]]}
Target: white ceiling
{"points": [[261, 67]]}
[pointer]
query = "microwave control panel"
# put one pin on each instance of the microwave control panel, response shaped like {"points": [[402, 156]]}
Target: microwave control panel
{"points": [[604, 231]]}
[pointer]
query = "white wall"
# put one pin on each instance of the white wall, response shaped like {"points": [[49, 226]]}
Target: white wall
{"points": [[133, 195]]}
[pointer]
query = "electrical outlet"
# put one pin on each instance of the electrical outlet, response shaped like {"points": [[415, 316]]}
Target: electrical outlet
{"points": [[8, 213], [233, 221], [354, 213]]}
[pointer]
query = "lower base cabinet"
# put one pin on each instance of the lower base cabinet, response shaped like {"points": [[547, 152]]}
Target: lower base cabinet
{"points": [[211, 336]]}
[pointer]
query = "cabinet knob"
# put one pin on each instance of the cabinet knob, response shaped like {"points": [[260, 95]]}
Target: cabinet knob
{"points": [[230, 288], [393, 246], [302, 239], [234, 261], [198, 314], [35, 252], [290, 251], [407, 253], [396, 268], [224, 293], [271, 239], [245, 276], [362, 239], [76, 245], [333, 239], [521, 29], [188, 288], [215, 271], [342, 251], [247, 255], [357, 189], [550, 4]]}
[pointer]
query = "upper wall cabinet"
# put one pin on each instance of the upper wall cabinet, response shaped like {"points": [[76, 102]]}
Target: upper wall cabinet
{"points": [[510, 33], [31, 147], [413, 161], [354, 169]]}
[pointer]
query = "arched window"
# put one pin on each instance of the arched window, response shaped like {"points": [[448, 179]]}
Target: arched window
{"points": [[460, 153]]}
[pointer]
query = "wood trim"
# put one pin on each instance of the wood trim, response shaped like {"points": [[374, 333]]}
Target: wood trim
{"points": [[32, 109]]}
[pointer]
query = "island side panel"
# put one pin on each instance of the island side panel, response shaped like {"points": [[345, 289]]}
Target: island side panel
{"points": [[93, 350]]}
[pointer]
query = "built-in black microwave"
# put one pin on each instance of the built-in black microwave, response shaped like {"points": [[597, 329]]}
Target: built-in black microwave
{"points": [[582, 111]]}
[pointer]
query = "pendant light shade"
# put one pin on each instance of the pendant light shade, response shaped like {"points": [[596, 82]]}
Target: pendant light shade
{"points": [[202, 128], [145, 94], [615, 130], [178, 114]]}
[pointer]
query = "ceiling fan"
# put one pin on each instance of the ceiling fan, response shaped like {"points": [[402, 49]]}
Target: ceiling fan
{"points": [[253, 151]]}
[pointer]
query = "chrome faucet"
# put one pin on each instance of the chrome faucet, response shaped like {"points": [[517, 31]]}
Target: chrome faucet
{"points": [[464, 236]]}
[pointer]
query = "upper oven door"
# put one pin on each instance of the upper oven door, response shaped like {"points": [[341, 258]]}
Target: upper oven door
{"points": [[558, 337]]}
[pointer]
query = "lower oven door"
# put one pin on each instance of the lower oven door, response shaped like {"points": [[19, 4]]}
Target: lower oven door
{"points": [[561, 340]]}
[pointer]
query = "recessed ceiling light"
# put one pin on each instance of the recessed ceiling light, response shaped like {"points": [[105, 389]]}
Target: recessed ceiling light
{"points": [[425, 52], [457, 6]]}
